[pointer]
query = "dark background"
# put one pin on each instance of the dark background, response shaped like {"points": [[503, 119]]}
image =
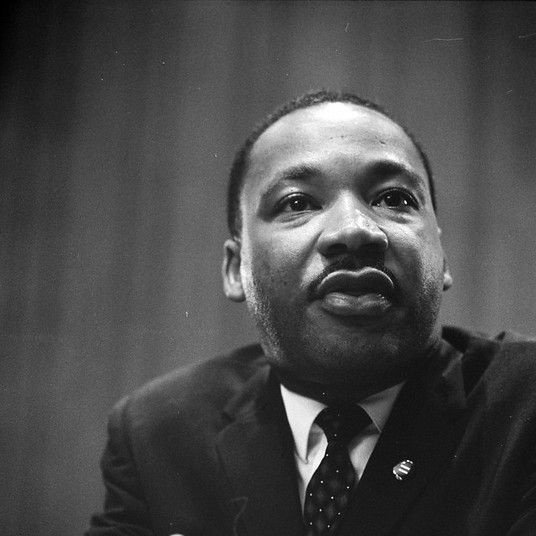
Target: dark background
{"points": [[118, 122]]}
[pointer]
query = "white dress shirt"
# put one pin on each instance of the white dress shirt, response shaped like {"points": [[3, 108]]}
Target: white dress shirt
{"points": [[310, 441]]}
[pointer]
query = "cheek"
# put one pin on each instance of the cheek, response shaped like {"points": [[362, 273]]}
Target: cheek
{"points": [[281, 253], [420, 252], [267, 266], [278, 270]]}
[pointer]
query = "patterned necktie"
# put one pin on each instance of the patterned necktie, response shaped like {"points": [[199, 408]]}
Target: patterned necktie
{"points": [[331, 486]]}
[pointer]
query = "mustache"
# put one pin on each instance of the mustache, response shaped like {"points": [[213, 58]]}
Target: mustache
{"points": [[349, 263]]}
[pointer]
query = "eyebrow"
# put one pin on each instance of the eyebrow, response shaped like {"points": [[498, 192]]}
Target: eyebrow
{"points": [[298, 173], [301, 172], [387, 168]]}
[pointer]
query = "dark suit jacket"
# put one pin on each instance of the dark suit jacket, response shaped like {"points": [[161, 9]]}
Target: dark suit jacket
{"points": [[207, 451]]}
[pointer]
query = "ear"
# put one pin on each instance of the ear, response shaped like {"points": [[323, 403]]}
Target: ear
{"points": [[232, 281], [447, 278]]}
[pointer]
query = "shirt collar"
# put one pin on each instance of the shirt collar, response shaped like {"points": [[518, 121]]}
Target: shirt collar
{"points": [[302, 411]]}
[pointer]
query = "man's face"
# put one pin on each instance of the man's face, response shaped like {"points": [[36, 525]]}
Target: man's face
{"points": [[340, 260]]}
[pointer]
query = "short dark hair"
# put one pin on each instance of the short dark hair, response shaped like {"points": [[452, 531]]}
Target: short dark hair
{"points": [[312, 98]]}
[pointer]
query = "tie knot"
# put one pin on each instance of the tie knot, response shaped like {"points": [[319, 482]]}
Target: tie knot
{"points": [[342, 423]]}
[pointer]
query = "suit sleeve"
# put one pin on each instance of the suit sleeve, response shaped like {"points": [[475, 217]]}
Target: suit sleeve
{"points": [[125, 510], [525, 523]]}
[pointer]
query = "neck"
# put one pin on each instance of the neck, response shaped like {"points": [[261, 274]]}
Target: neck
{"points": [[327, 394], [340, 393]]}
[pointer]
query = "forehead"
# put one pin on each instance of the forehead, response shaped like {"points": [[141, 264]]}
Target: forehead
{"points": [[326, 132]]}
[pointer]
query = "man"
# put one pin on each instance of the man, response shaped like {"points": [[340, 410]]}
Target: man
{"points": [[357, 413]]}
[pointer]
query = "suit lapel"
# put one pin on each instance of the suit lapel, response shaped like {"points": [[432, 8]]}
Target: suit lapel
{"points": [[425, 425], [256, 450]]}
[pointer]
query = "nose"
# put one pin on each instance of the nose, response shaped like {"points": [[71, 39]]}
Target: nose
{"points": [[348, 228]]}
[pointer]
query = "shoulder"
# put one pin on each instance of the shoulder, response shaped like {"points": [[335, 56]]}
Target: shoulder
{"points": [[505, 362], [202, 388], [460, 336], [478, 345]]}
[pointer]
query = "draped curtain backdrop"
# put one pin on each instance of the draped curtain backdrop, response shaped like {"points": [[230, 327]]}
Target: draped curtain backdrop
{"points": [[118, 123]]}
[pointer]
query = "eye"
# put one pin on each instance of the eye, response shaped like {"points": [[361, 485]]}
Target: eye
{"points": [[297, 203], [396, 199]]}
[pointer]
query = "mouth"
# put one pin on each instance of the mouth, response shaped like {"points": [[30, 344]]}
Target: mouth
{"points": [[367, 293]]}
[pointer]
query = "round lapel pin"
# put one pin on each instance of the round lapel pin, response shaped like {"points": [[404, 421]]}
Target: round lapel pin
{"points": [[403, 469]]}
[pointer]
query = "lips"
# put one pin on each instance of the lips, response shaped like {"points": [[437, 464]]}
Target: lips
{"points": [[367, 292]]}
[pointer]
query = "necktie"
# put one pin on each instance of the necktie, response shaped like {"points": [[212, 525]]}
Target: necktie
{"points": [[331, 486]]}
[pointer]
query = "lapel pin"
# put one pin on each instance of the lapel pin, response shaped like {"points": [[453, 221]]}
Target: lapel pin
{"points": [[403, 469]]}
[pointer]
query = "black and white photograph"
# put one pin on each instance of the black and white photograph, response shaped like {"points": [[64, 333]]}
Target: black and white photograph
{"points": [[267, 268]]}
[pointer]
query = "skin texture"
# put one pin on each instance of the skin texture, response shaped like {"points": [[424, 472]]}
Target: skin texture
{"points": [[339, 260]]}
